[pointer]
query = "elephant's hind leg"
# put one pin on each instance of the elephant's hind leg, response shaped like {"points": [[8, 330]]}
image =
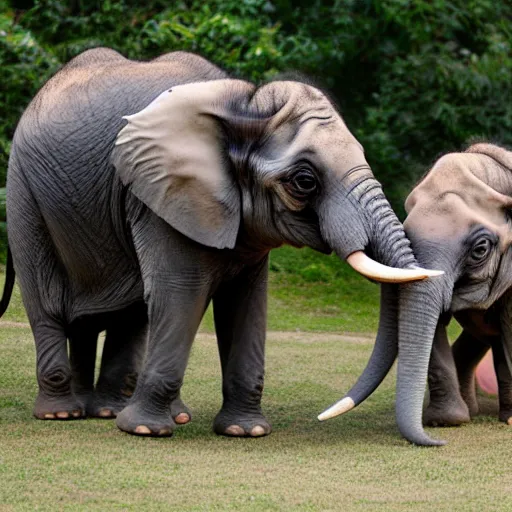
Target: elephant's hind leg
{"points": [[56, 399], [123, 353], [82, 355], [43, 284]]}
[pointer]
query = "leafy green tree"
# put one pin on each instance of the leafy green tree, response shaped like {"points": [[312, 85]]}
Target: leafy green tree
{"points": [[413, 78]]}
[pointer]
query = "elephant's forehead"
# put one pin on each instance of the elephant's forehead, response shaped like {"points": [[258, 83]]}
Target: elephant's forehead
{"points": [[453, 197], [451, 216], [459, 173]]}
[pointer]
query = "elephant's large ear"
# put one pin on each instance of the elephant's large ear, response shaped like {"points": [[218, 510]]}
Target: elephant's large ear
{"points": [[501, 155], [171, 156]]}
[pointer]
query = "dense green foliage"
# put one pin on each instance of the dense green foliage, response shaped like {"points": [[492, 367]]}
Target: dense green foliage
{"points": [[413, 78]]}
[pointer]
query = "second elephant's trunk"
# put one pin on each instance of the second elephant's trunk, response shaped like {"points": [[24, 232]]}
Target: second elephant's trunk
{"points": [[420, 306]]}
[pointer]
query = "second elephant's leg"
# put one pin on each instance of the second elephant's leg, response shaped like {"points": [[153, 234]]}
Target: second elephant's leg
{"points": [[504, 379], [446, 406], [468, 351], [240, 308], [502, 353]]}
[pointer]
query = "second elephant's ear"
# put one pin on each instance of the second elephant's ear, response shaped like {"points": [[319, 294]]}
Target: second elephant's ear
{"points": [[171, 156]]}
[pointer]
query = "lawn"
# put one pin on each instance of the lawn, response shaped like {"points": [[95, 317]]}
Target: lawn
{"points": [[356, 462]]}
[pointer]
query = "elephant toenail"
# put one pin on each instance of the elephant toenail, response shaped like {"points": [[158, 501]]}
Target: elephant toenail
{"points": [[142, 429], [164, 432], [182, 418], [76, 414], [234, 430], [257, 431], [49, 416], [105, 413], [63, 415], [509, 421]]}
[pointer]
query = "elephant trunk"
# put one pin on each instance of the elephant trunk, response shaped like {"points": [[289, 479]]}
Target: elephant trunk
{"points": [[420, 305], [407, 324], [369, 225], [383, 356]]}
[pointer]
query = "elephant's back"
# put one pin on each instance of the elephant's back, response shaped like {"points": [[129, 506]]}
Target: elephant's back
{"points": [[71, 125], [101, 82]]}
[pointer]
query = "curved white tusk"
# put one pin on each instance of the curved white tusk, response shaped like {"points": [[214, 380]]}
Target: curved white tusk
{"points": [[344, 405], [378, 272]]}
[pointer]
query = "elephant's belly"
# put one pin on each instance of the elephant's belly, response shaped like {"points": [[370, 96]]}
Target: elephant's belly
{"points": [[99, 279], [118, 292]]}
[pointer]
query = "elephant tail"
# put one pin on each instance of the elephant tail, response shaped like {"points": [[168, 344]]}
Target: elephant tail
{"points": [[9, 283]]}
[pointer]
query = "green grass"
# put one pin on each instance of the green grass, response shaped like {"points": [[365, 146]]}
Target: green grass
{"points": [[309, 291], [353, 463], [357, 462]]}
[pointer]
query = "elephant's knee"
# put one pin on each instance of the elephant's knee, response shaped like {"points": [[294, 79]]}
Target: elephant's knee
{"points": [[55, 380]]}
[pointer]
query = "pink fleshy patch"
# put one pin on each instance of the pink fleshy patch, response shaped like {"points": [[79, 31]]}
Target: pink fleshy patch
{"points": [[485, 376]]}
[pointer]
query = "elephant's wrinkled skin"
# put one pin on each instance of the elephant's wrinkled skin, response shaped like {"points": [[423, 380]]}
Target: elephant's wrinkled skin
{"points": [[136, 222]]}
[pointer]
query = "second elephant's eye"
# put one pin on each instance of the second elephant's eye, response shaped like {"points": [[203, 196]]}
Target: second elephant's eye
{"points": [[481, 249]]}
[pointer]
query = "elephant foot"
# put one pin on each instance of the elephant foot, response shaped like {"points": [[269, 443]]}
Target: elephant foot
{"points": [[506, 416], [180, 412], [109, 398], [134, 420], [106, 406], [235, 425], [58, 408], [451, 415]]}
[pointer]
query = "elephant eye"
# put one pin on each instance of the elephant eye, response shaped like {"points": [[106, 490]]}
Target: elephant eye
{"points": [[304, 181], [481, 249], [302, 184]]}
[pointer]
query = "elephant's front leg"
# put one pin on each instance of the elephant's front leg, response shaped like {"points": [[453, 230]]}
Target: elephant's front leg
{"points": [[446, 406], [504, 378], [240, 312], [175, 311], [468, 350], [177, 277]]}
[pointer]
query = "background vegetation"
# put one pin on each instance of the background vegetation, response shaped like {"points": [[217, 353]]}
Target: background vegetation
{"points": [[413, 78]]}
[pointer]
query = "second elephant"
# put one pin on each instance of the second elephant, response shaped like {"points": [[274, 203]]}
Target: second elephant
{"points": [[458, 220]]}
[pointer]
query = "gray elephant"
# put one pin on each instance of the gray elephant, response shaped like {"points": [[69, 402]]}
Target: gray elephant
{"points": [[459, 221], [138, 192]]}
